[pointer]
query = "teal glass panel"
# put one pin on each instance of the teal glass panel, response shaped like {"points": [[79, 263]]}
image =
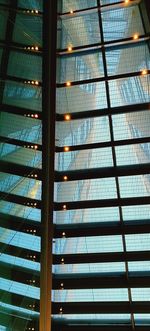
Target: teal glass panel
{"points": [[17, 261], [90, 189], [31, 4], [84, 159], [74, 30], [28, 30], [27, 66], [136, 212], [68, 5], [21, 186], [138, 242], [118, 59], [134, 186], [22, 95], [15, 209], [20, 128], [79, 132], [81, 98], [133, 154], [110, 214], [90, 268], [131, 125], [83, 67], [19, 239], [101, 318], [20, 155], [101, 244], [93, 295], [19, 288], [121, 23], [137, 266], [130, 90], [140, 294]]}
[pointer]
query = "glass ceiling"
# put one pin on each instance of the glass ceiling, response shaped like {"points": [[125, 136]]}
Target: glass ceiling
{"points": [[101, 216]]}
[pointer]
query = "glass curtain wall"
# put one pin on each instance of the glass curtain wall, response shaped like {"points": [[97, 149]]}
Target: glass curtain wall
{"points": [[102, 207], [20, 166]]}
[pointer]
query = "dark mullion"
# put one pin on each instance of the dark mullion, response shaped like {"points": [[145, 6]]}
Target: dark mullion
{"points": [[100, 229], [8, 37], [102, 79], [21, 80], [99, 281], [21, 48], [101, 257], [120, 325], [20, 224], [109, 45], [85, 204], [118, 171], [104, 112], [21, 170], [28, 202], [19, 252], [21, 143], [20, 111], [20, 274], [19, 300], [115, 143], [101, 307]]}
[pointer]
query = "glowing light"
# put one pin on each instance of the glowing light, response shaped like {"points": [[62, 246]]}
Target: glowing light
{"points": [[144, 72], [66, 148], [136, 36], [68, 83], [67, 117], [36, 82], [36, 115], [71, 11], [36, 48], [65, 178], [63, 233], [69, 49], [64, 207], [127, 1]]}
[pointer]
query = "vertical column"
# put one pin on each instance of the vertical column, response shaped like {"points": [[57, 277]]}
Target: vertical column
{"points": [[48, 149]]}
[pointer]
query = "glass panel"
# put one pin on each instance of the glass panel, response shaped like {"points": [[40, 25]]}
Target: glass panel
{"points": [[21, 186], [76, 68], [134, 186], [19, 288], [140, 294], [28, 30], [15, 209], [68, 5], [86, 131], [90, 189], [74, 30], [102, 268], [17, 261], [20, 155], [84, 159], [121, 23], [133, 154], [138, 242], [22, 95], [81, 98], [19, 239], [25, 66], [23, 128], [130, 90], [91, 295], [110, 214], [31, 4], [3, 23], [136, 212], [118, 59], [88, 245], [131, 125]]}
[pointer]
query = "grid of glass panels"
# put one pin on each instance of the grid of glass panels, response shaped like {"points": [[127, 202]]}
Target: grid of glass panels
{"points": [[103, 67], [20, 160]]}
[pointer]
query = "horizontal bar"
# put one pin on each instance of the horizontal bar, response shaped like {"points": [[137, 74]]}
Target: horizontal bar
{"points": [[20, 200], [101, 229], [104, 112], [20, 274], [20, 80], [101, 257], [20, 170], [90, 326], [20, 252], [21, 48], [21, 10], [19, 300], [100, 79], [20, 111], [20, 224], [100, 307], [102, 203], [128, 170]]}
